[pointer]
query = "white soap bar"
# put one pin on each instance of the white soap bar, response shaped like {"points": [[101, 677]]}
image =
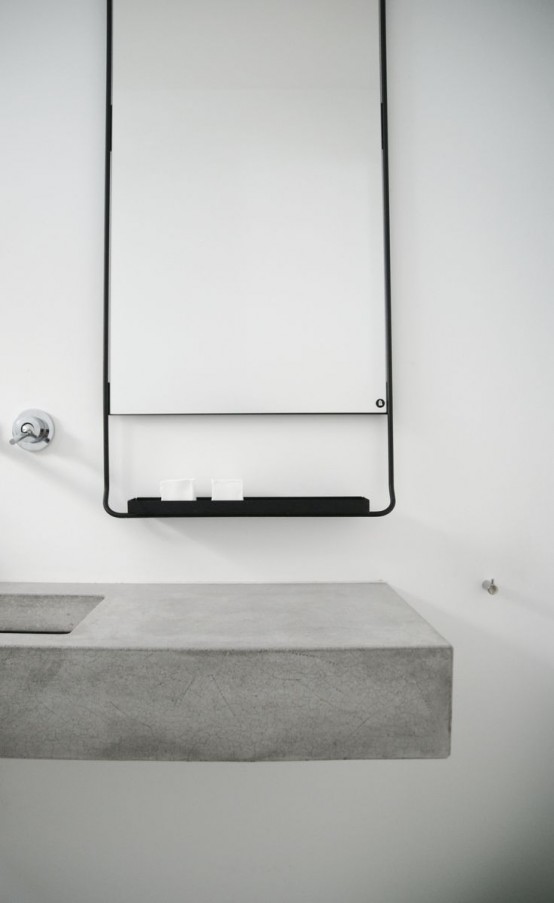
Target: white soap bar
{"points": [[227, 490], [177, 490]]}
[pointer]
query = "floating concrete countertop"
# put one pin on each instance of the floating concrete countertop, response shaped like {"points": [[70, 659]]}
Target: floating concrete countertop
{"points": [[225, 672]]}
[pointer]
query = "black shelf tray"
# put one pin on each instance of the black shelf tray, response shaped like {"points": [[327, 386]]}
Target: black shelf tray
{"points": [[258, 506]]}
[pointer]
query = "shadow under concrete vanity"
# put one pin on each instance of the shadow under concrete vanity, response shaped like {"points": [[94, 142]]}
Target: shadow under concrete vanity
{"points": [[221, 672]]}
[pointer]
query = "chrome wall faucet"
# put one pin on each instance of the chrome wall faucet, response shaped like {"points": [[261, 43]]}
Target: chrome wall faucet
{"points": [[33, 430]]}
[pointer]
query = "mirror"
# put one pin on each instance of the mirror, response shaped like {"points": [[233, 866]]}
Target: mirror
{"points": [[246, 225]]}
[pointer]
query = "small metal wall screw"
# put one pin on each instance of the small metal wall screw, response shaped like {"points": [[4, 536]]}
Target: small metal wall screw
{"points": [[380, 402], [490, 586]]}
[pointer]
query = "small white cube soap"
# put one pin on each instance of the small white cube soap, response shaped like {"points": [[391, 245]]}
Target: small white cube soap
{"points": [[177, 491], [227, 491]]}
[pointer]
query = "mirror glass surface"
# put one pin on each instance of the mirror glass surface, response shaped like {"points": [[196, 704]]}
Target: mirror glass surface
{"points": [[246, 234]]}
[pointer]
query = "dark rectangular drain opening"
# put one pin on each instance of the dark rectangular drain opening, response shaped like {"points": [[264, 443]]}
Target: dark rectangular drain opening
{"points": [[37, 632]]}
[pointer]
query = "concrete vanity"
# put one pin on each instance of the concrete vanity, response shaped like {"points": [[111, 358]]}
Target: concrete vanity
{"points": [[221, 672]]}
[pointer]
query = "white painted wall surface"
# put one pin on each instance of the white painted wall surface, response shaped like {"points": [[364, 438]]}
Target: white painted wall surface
{"points": [[471, 91]]}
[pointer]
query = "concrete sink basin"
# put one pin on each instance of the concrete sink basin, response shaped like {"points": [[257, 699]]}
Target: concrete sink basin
{"points": [[42, 613], [221, 672]]}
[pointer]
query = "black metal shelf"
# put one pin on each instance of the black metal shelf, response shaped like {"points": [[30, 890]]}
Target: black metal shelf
{"points": [[255, 506]]}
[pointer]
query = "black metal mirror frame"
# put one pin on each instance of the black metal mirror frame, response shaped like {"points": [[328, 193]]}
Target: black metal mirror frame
{"points": [[296, 506]]}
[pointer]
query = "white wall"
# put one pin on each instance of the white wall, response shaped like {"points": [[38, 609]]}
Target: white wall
{"points": [[471, 87]]}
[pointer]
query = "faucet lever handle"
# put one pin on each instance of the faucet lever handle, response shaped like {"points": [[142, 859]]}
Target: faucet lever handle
{"points": [[26, 432]]}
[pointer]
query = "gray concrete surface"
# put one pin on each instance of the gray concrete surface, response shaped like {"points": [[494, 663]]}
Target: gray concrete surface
{"points": [[228, 672], [40, 613]]}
